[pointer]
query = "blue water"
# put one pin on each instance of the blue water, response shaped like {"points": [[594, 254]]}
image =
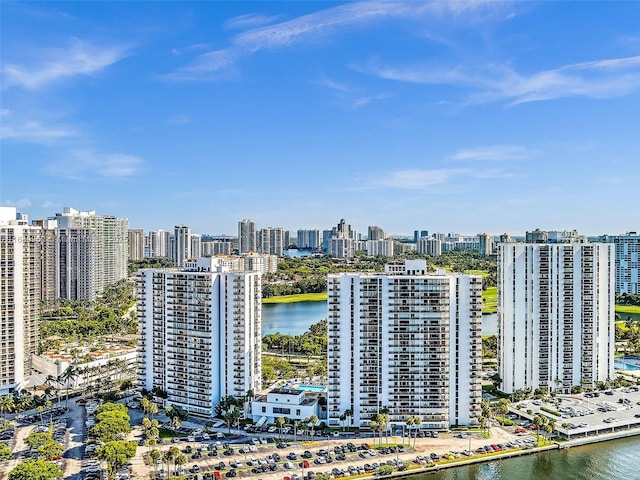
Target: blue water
{"points": [[627, 363], [310, 388], [296, 318]]}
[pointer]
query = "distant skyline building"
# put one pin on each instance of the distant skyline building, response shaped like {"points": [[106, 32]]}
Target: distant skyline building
{"points": [[247, 236], [217, 247], [555, 315], [159, 243], [382, 248], [110, 243], [342, 247], [196, 246], [418, 234], [200, 336], [376, 233], [20, 285], [627, 257], [181, 244], [272, 241], [485, 244], [309, 239], [408, 341], [136, 244], [430, 246]]}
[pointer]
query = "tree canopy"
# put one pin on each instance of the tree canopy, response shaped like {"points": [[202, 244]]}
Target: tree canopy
{"points": [[36, 470]]}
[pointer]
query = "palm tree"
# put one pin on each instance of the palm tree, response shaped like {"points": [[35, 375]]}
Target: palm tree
{"points": [[409, 421], [154, 456], [175, 452], [6, 404], [69, 374], [249, 396], [313, 420], [418, 420], [280, 421], [181, 459]]}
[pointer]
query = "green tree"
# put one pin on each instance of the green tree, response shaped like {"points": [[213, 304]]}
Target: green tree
{"points": [[154, 456], [5, 451], [36, 470], [280, 421], [181, 459], [116, 453], [7, 404], [313, 420]]}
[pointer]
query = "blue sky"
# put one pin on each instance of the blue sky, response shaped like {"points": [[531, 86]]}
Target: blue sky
{"points": [[448, 116]]}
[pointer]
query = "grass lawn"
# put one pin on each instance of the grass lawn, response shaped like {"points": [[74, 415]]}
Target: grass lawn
{"points": [[167, 433], [482, 273], [301, 297], [490, 300], [627, 309]]}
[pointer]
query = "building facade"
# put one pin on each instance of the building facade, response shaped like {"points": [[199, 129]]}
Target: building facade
{"points": [[407, 341], [20, 264], [247, 236], [272, 241], [555, 314], [110, 243], [136, 244], [627, 262], [200, 335], [181, 244]]}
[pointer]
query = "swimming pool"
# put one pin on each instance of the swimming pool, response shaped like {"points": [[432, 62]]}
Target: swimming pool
{"points": [[627, 363], [312, 388]]}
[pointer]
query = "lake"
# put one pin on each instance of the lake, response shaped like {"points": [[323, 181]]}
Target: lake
{"points": [[296, 318], [613, 460]]}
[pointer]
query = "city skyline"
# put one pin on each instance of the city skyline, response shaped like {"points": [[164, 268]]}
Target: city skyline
{"points": [[461, 116]]}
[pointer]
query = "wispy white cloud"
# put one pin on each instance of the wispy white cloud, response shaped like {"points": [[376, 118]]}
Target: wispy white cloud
{"points": [[414, 179], [57, 64], [317, 25], [179, 120], [35, 132], [24, 202], [493, 153], [84, 164], [250, 20], [606, 78], [196, 46]]}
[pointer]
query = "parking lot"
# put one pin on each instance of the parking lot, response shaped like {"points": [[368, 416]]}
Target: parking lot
{"points": [[590, 413]]}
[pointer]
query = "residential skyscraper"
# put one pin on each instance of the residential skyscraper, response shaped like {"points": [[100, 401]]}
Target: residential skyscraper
{"points": [[110, 240], [430, 246], [309, 239], [247, 236], [20, 263], [272, 241], [555, 314], [405, 340], [182, 244], [159, 243], [627, 262], [376, 233], [200, 335], [136, 244], [196, 245], [486, 244]]}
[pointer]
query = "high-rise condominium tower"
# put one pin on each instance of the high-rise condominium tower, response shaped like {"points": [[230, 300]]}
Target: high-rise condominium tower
{"points": [[182, 244], [20, 257], [555, 314], [247, 238], [110, 242], [405, 340], [136, 244], [200, 335], [272, 241]]}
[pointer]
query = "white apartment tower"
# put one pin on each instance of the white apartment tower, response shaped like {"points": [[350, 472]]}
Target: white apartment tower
{"points": [[555, 314], [200, 335], [309, 239], [430, 246], [159, 243], [272, 241], [20, 261], [182, 244], [247, 236], [110, 238], [405, 340]]}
